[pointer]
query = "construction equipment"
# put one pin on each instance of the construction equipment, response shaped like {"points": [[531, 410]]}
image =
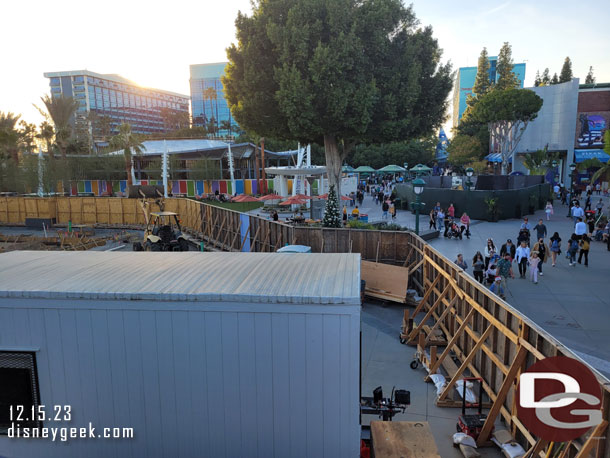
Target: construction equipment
{"points": [[471, 424], [163, 231], [385, 408]]}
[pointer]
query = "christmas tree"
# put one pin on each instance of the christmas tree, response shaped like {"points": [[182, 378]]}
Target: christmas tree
{"points": [[331, 212]]}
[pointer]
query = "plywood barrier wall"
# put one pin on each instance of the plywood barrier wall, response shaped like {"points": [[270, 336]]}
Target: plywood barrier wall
{"points": [[491, 339]]}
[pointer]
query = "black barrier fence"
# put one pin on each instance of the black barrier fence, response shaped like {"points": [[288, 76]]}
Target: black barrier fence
{"points": [[509, 203]]}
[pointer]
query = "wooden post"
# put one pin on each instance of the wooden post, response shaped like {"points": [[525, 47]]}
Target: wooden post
{"points": [[442, 317], [434, 306], [501, 396], [536, 449], [426, 296], [593, 439], [466, 362], [255, 237], [241, 247]]}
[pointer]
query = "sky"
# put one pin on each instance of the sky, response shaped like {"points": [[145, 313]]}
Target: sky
{"points": [[153, 42]]}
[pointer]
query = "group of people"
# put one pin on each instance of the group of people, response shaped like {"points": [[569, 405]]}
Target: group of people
{"points": [[446, 222], [495, 266]]}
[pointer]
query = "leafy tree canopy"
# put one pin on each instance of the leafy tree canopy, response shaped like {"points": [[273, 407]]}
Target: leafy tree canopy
{"points": [[590, 79], [504, 69], [464, 149], [336, 72], [566, 71], [379, 155]]}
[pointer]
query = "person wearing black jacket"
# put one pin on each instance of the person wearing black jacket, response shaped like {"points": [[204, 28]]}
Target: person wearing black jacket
{"points": [[509, 248]]}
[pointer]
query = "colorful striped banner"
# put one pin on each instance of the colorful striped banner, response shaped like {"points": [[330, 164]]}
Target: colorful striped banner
{"points": [[239, 186], [182, 186], [223, 186], [199, 187], [190, 188]]}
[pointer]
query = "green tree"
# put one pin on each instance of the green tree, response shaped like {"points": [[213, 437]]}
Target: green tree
{"points": [[539, 161], [336, 72], [226, 124], [47, 134], [379, 155], [211, 95], [566, 71], [504, 69], [10, 137], [590, 79], [546, 78], [555, 79], [60, 111], [331, 212], [507, 114], [463, 150], [130, 144], [538, 79], [482, 85]]}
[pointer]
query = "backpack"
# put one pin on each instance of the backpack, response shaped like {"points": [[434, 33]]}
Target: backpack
{"points": [[585, 245], [555, 245], [574, 246]]}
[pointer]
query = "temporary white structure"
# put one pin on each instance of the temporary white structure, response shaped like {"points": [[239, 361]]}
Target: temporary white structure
{"points": [[202, 354]]}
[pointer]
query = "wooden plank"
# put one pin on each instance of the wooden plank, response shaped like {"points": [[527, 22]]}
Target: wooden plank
{"points": [[509, 380], [430, 312], [466, 362], [536, 449], [385, 281], [402, 439], [424, 299], [253, 242], [594, 439]]}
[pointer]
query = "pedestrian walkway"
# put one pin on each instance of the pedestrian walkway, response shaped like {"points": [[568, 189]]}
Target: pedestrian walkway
{"points": [[571, 303]]}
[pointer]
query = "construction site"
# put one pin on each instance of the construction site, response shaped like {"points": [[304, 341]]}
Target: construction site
{"points": [[374, 344]]}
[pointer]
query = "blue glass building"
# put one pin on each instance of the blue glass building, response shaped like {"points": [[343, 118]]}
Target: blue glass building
{"points": [[209, 105], [121, 100], [464, 83]]}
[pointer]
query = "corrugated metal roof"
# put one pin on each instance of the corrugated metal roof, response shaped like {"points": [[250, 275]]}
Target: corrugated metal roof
{"points": [[193, 276]]}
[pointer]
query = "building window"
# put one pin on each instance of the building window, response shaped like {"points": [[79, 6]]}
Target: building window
{"points": [[19, 390], [55, 81]]}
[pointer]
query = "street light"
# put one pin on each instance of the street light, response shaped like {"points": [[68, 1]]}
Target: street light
{"points": [[418, 188], [469, 173], [572, 178]]}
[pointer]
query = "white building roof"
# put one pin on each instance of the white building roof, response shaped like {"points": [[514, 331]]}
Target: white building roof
{"points": [[189, 276], [157, 147]]}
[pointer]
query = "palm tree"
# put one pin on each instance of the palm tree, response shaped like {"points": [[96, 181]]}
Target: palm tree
{"points": [[130, 144], [225, 124], [60, 110], [10, 137], [210, 94], [46, 135]]}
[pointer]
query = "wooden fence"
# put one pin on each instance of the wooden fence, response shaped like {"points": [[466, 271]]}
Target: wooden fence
{"points": [[491, 339]]}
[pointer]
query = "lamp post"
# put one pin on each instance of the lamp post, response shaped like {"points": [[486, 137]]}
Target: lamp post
{"points": [[572, 178], [418, 188], [469, 173]]}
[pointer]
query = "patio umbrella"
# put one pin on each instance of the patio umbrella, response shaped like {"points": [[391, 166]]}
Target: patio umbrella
{"points": [[271, 197], [325, 197], [392, 169], [238, 198], [365, 169], [248, 199], [293, 201], [303, 196]]}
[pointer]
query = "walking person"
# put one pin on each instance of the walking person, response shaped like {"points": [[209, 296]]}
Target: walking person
{"points": [[447, 220], [540, 229], [508, 248], [489, 249], [555, 247], [478, 265], [522, 255], [580, 229], [543, 253], [432, 223], [451, 211], [460, 261], [344, 214], [465, 225], [573, 249], [385, 207], [505, 270], [584, 250], [577, 212], [393, 211], [440, 216], [548, 210], [534, 261], [599, 207], [588, 202]]}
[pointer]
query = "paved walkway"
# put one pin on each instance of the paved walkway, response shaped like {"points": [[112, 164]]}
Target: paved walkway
{"points": [[571, 303]]}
